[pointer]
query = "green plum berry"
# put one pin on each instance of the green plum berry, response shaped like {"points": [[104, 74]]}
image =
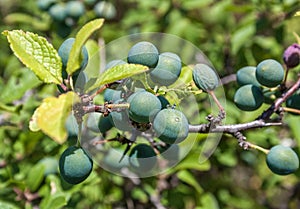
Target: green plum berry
{"points": [[111, 95], [167, 69], [112, 159], [58, 12], [45, 4], [71, 126], [79, 81], [246, 75], [282, 160], [92, 121], [120, 119], [75, 9], [104, 124], [105, 9], [248, 97], [269, 73], [142, 158], [143, 106], [205, 77], [50, 165], [293, 101], [144, 53], [64, 51], [164, 102], [171, 126], [75, 165]]}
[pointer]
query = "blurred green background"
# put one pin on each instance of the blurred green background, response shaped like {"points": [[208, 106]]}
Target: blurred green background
{"points": [[231, 33]]}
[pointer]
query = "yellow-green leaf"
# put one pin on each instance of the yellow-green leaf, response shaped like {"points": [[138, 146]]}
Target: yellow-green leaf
{"points": [[51, 115], [117, 73], [82, 36], [37, 54], [33, 126]]}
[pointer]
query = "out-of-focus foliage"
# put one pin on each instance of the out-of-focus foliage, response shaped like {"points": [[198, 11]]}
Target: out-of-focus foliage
{"points": [[231, 33]]}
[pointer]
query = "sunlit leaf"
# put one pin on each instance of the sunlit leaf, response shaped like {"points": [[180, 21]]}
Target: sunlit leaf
{"points": [[37, 54], [52, 114], [80, 39], [117, 73]]}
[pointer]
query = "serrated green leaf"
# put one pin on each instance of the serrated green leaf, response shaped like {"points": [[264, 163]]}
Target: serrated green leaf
{"points": [[82, 36], [37, 54], [35, 177], [117, 73], [52, 114]]}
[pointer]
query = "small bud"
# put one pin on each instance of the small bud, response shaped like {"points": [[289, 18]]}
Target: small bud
{"points": [[291, 55]]}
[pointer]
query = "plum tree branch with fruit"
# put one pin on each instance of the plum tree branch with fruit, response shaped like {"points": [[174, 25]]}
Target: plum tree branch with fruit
{"points": [[137, 107]]}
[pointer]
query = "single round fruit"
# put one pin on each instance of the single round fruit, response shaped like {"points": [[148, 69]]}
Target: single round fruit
{"points": [[92, 121], [65, 49], [269, 73], [248, 97], [71, 126], [104, 124], [120, 119], [45, 4], [246, 75], [143, 106], [167, 69], [142, 158], [105, 9], [75, 8], [112, 159], [205, 77], [75, 165], [282, 160], [111, 95], [79, 81], [144, 53], [50, 165], [293, 101], [291, 55], [58, 12], [164, 102], [171, 126]]}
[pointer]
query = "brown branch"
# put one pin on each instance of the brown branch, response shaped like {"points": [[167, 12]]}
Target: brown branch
{"points": [[228, 79], [278, 102]]}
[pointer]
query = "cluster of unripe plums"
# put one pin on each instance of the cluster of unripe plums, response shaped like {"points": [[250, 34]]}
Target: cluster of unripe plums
{"points": [[148, 111], [261, 84], [66, 13]]}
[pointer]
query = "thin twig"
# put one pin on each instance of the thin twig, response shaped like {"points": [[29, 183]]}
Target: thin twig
{"points": [[203, 128], [278, 102]]}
